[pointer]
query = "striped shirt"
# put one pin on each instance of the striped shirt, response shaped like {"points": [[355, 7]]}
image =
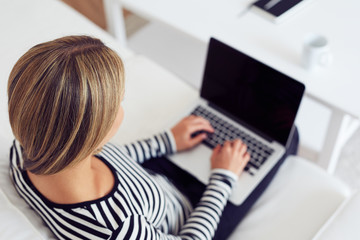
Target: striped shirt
{"points": [[141, 205]]}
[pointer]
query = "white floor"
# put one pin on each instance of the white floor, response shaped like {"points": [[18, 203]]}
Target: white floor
{"points": [[185, 57]]}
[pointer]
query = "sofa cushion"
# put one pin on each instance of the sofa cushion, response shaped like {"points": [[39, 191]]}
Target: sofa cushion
{"points": [[13, 224]]}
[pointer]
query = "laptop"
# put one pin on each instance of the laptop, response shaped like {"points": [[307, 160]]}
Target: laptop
{"points": [[243, 98]]}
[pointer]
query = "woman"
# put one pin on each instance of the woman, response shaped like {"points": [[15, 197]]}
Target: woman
{"points": [[64, 106]]}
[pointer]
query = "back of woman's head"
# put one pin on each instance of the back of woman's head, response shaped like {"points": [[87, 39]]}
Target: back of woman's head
{"points": [[63, 99]]}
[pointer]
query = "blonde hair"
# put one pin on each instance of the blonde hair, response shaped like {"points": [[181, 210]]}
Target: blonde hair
{"points": [[64, 96]]}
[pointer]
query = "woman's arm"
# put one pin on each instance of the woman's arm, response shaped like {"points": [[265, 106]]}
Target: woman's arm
{"points": [[179, 138], [155, 146], [202, 222]]}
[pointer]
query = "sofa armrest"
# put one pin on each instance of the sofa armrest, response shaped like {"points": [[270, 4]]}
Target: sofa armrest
{"points": [[344, 224], [298, 202]]}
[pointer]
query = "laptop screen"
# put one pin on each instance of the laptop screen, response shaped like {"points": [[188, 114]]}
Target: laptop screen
{"points": [[251, 92]]}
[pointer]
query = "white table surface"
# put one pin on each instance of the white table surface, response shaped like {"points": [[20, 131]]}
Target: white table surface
{"points": [[278, 45]]}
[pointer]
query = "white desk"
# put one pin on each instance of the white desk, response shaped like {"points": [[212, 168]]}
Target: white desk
{"points": [[279, 46]]}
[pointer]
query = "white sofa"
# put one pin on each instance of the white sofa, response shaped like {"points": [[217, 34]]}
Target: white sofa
{"points": [[303, 201]]}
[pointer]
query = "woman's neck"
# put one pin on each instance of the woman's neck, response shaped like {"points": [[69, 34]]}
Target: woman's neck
{"points": [[88, 180]]}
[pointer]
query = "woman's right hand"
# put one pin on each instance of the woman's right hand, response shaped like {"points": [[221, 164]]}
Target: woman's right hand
{"points": [[231, 156]]}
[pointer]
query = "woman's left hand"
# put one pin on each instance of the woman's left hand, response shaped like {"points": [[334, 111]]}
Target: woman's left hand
{"points": [[184, 130]]}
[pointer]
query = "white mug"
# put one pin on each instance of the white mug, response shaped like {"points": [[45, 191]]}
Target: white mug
{"points": [[316, 52]]}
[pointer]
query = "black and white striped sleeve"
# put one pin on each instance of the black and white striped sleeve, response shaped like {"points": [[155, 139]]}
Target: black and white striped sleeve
{"points": [[202, 223], [156, 146]]}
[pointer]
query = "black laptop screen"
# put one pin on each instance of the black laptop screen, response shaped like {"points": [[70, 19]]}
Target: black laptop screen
{"points": [[252, 92]]}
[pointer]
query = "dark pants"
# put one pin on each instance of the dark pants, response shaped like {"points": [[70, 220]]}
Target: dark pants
{"points": [[193, 189]]}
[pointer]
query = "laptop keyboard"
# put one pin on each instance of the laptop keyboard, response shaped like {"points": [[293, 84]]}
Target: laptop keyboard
{"points": [[259, 152]]}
